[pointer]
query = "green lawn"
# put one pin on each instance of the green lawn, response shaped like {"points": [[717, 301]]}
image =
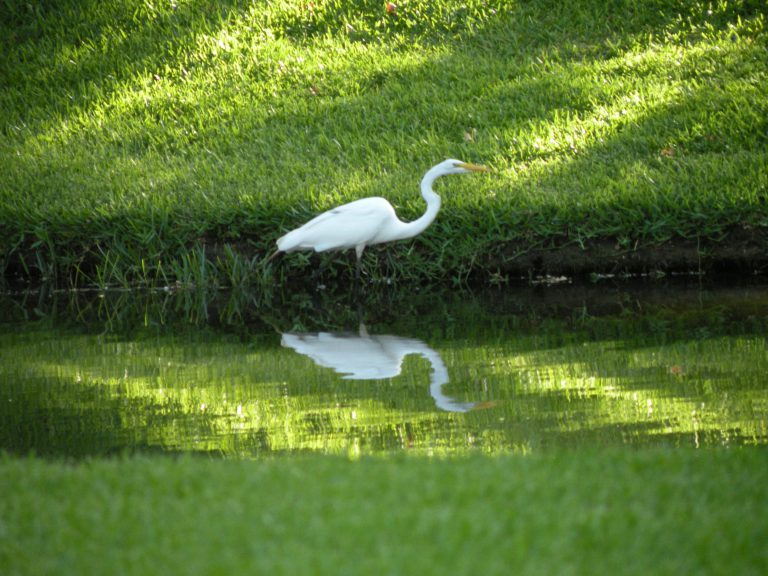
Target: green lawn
{"points": [[174, 141], [614, 512]]}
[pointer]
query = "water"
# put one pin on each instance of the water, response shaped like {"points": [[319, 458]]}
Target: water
{"points": [[515, 370]]}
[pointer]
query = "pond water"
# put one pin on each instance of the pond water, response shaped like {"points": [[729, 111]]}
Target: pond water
{"points": [[513, 370]]}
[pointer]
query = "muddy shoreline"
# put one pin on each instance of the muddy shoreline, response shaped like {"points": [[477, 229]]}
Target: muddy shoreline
{"points": [[742, 252]]}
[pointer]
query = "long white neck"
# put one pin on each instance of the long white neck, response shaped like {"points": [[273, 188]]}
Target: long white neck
{"points": [[411, 229]]}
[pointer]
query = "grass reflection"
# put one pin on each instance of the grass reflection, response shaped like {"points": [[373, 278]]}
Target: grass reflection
{"points": [[565, 367]]}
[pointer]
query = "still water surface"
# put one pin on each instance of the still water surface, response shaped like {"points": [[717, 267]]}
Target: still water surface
{"points": [[514, 370]]}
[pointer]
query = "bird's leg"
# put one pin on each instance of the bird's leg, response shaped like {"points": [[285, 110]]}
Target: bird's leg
{"points": [[359, 254], [325, 260], [357, 270], [362, 330]]}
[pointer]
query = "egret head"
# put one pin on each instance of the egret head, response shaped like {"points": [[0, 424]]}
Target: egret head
{"points": [[453, 166]]}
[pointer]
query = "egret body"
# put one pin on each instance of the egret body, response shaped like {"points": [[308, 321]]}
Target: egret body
{"points": [[370, 221]]}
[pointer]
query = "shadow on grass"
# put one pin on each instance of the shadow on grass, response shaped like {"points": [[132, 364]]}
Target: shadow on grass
{"points": [[423, 111], [106, 44]]}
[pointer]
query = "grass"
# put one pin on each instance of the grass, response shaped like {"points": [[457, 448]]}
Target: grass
{"points": [[615, 512], [172, 142]]}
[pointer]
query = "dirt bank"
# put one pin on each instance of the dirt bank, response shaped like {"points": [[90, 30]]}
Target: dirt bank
{"points": [[742, 251]]}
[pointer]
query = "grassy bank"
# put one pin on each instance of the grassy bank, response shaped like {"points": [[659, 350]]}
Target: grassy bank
{"points": [[620, 512], [174, 141]]}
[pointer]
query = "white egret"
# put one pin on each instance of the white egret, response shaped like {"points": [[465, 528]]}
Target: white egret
{"points": [[370, 221]]}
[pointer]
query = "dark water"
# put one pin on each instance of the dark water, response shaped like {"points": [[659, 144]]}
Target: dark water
{"points": [[514, 370]]}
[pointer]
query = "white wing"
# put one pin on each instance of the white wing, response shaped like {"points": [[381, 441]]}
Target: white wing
{"points": [[354, 224]]}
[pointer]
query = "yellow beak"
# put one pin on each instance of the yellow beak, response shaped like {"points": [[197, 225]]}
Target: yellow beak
{"points": [[475, 167]]}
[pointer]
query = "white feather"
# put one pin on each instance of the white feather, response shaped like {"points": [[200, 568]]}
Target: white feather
{"points": [[371, 220]]}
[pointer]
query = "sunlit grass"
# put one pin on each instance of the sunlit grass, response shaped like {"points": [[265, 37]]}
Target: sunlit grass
{"points": [[612, 512], [133, 136]]}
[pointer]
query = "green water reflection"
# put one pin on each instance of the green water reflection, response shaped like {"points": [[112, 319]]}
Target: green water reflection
{"points": [[514, 370]]}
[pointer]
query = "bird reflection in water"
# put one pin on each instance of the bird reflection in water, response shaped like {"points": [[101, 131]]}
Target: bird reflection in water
{"points": [[365, 357]]}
